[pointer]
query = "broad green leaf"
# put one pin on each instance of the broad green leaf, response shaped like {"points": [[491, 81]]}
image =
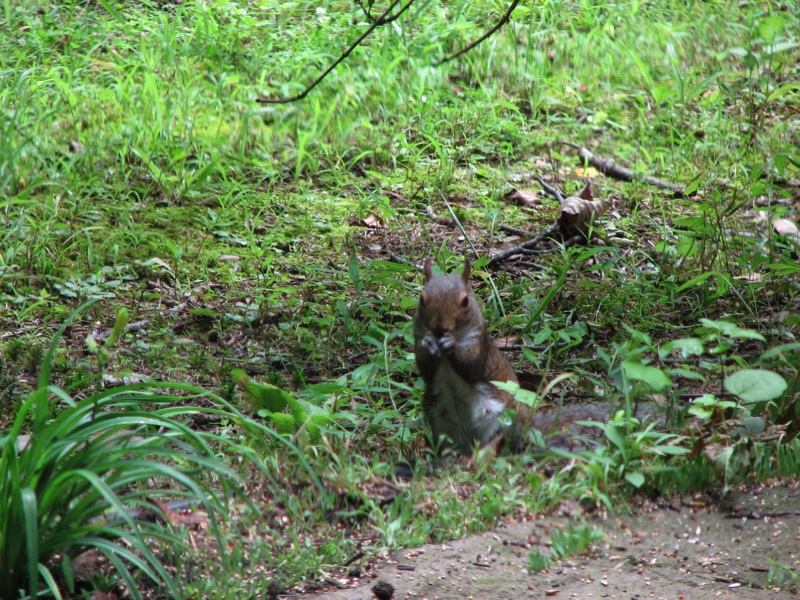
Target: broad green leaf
{"points": [[284, 423], [636, 479], [615, 435], [672, 450], [700, 411], [686, 346], [652, 376], [525, 396], [752, 426], [755, 385], [662, 93], [262, 395]]}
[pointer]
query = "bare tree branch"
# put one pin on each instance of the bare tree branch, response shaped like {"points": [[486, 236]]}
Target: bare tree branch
{"points": [[377, 23], [368, 13], [503, 20]]}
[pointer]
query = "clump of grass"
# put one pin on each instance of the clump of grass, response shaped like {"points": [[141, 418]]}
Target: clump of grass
{"points": [[72, 483]]}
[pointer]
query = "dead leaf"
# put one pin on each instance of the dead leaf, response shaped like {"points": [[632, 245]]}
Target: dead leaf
{"points": [[577, 212], [587, 173], [127, 379], [76, 147], [373, 221], [570, 509], [156, 261], [523, 197], [178, 518], [87, 564], [506, 342], [787, 228], [381, 491]]}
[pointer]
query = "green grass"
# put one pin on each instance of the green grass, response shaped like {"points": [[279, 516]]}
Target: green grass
{"points": [[136, 167]]}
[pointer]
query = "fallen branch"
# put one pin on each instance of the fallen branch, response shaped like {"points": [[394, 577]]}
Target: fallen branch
{"points": [[527, 245], [503, 20], [382, 20], [513, 230], [611, 169]]}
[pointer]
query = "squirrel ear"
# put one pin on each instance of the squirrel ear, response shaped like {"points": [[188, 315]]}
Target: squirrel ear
{"points": [[465, 272], [427, 268]]}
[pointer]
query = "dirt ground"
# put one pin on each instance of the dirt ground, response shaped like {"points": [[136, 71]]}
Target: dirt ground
{"points": [[682, 549]]}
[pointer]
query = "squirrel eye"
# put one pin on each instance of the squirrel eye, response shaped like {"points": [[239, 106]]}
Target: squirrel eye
{"points": [[465, 301]]}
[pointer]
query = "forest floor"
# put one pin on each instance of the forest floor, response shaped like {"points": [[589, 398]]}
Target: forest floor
{"points": [[691, 549]]}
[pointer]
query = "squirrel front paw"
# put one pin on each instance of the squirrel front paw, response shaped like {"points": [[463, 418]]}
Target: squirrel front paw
{"points": [[446, 343], [430, 343]]}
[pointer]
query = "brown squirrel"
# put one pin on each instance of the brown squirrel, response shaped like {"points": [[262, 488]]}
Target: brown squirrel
{"points": [[458, 361]]}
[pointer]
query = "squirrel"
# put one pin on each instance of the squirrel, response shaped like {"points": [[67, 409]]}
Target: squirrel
{"points": [[458, 362]]}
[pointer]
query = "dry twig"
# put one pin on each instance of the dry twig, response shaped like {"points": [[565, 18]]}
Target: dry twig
{"points": [[611, 169], [505, 254], [503, 20], [382, 20]]}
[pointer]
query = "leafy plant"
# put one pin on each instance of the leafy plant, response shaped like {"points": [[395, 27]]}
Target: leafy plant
{"points": [[73, 482], [563, 544]]}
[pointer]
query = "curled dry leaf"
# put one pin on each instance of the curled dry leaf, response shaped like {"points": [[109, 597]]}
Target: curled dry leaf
{"points": [[577, 212], [522, 197], [373, 221]]}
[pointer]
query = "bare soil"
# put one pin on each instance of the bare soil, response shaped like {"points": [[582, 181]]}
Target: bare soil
{"points": [[680, 549]]}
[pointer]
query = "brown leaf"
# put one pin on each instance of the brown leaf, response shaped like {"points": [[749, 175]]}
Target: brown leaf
{"points": [[577, 213], [98, 595], [178, 518], [87, 564], [76, 147], [523, 197], [787, 228], [373, 221], [381, 491], [506, 342]]}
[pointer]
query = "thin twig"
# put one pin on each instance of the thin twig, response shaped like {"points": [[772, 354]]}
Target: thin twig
{"points": [[371, 19], [553, 191], [380, 21], [503, 20], [526, 247], [446, 221], [611, 169], [514, 230], [505, 254], [530, 265]]}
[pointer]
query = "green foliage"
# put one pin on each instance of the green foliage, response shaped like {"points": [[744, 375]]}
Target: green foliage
{"points": [[270, 401], [71, 483], [564, 544]]}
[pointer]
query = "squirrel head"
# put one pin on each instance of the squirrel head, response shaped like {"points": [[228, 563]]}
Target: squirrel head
{"points": [[447, 303]]}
